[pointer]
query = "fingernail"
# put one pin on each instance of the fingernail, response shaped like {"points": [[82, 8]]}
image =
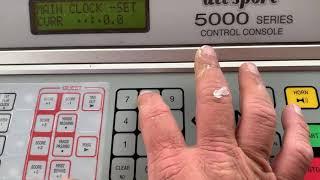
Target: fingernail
{"points": [[145, 92], [252, 68], [207, 51], [297, 109]]}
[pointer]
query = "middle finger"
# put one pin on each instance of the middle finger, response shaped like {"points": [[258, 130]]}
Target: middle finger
{"points": [[214, 110]]}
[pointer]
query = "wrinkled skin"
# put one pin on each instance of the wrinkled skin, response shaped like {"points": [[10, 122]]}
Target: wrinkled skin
{"points": [[223, 151]]}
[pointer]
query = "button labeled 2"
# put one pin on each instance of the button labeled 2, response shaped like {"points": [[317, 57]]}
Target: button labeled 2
{"points": [[305, 97]]}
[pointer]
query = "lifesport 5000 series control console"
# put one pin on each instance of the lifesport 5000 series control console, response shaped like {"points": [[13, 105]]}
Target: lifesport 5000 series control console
{"points": [[71, 72]]}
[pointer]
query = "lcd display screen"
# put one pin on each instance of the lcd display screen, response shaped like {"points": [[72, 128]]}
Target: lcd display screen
{"points": [[89, 16]]}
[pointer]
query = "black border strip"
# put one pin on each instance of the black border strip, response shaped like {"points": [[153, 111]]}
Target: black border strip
{"points": [[34, 30], [285, 95]]}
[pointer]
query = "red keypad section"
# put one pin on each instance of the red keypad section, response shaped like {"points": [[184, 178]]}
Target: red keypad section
{"points": [[314, 170], [63, 133]]}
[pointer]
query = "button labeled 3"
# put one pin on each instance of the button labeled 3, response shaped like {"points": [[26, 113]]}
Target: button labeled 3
{"points": [[305, 97]]}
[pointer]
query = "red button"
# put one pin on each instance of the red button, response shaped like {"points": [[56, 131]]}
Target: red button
{"points": [[314, 170]]}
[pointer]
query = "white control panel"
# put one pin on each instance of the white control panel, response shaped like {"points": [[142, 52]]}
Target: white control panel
{"points": [[87, 127]]}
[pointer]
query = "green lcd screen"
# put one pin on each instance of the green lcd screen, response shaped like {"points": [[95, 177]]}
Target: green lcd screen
{"points": [[314, 135], [89, 16]]}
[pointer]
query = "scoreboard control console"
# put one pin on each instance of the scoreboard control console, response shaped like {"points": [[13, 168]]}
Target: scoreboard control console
{"points": [[71, 72]]}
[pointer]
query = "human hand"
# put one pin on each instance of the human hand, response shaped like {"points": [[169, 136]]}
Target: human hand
{"points": [[224, 151]]}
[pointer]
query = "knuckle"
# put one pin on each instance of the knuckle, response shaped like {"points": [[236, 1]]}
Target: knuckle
{"points": [[304, 153], [263, 110], [156, 110], [166, 165], [206, 93]]}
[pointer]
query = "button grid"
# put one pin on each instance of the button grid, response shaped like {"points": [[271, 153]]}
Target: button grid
{"points": [[127, 147], [55, 137]]}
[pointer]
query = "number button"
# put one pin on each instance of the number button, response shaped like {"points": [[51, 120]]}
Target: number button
{"points": [[124, 144], [126, 121], [140, 146], [276, 146], [122, 168], [173, 98], [152, 90], [127, 99], [178, 115], [142, 169], [272, 96]]}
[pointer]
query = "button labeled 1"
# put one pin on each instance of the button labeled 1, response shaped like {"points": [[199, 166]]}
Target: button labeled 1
{"points": [[124, 144], [7, 101], [59, 170], [92, 102]]}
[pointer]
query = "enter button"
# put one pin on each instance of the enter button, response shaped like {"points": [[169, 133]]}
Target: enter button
{"points": [[305, 97]]}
